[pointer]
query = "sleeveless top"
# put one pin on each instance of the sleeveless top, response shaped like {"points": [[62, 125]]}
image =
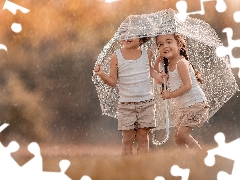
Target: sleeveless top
{"points": [[193, 96], [134, 81]]}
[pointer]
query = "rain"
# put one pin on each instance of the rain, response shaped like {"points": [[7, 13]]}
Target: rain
{"points": [[47, 53]]}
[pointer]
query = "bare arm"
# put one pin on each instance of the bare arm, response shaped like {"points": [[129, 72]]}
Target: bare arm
{"points": [[157, 68], [183, 70], [154, 71], [110, 79]]}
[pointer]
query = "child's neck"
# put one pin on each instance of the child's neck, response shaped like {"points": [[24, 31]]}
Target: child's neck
{"points": [[131, 53], [175, 59], [133, 48]]}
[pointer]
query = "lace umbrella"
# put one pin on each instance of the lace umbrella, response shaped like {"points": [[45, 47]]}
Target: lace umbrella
{"points": [[202, 40], [134, 26]]}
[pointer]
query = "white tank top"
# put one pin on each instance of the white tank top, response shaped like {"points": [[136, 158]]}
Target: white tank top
{"points": [[194, 95], [134, 81]]}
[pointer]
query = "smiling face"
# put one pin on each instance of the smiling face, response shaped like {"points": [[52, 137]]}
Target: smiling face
{"points": [[168, 46]]}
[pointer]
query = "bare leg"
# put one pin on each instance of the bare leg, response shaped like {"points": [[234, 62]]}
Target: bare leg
{"points": [[180, 143], [184, 139], [128, 137], [142, 136]]}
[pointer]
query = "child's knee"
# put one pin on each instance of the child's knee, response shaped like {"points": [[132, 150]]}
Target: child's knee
{"points": [[177, 139], [180, 137]]}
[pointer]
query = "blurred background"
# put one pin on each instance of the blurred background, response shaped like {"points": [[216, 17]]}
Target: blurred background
{"points": [[46, 92]]}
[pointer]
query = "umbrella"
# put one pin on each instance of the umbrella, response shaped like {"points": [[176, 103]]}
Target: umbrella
{"points": [[164, 67], [134, 26], [202, 40]]}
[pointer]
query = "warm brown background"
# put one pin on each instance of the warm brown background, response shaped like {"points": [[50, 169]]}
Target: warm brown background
{"points": [[46, 92]]}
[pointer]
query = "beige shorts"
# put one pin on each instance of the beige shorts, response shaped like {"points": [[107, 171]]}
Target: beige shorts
{"points": [[135, 115], [193, 116]]}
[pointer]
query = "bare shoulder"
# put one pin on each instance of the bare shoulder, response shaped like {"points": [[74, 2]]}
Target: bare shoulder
{"points": [[114, 55], [183, 68], [183, 63], [149, 52], [114, 58]]}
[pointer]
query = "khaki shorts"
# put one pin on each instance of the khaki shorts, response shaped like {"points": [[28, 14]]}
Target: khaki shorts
{"points": [[193, 116], [135, 115]]}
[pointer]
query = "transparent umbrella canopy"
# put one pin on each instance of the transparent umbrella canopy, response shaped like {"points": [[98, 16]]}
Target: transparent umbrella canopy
{"points": [[202, 40], [134, 26]]}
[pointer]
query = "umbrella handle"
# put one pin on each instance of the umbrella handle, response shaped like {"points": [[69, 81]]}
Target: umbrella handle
{"points": [[154, 140], [158, 143], [166, 109]]}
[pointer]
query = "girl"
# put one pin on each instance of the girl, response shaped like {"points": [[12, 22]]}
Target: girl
{"points": [[130, 68], [184, 88]]}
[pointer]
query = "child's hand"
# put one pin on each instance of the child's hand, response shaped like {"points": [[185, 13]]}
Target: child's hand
{"points": [[164, 76], [159, 78], [166, 95], [98, 69], [159, 59], [157, 82]]}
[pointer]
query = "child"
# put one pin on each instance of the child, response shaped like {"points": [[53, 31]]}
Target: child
{"points": [[130, 68], [184, 88]]}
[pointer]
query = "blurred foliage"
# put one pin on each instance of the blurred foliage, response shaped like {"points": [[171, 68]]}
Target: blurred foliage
{"points": [[45, 76]]}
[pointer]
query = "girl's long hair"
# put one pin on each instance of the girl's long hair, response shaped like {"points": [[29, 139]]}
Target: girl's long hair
{"points": [[184, 52]]}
